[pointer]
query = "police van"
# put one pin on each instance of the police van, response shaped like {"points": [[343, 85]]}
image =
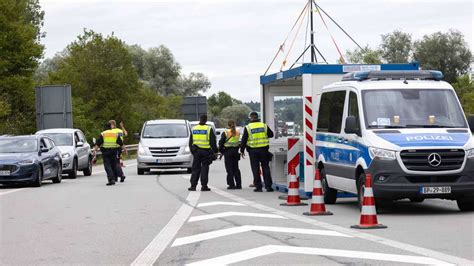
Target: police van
{"points": [[405, 128]]}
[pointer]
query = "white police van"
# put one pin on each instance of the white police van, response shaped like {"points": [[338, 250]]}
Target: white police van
{"points": [[406, 128]]}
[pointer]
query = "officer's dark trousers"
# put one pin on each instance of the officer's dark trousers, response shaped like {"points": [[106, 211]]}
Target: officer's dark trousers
{"points": [[118, 172], [110, 163], [259, 158], [231, 159], [201, 162]]}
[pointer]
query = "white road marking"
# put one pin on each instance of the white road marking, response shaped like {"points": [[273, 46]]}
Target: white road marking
{"points": [[271, 249], [151, 253], [12, 191], [380, 240], [227, 214], [215, 203], [247, 228]]}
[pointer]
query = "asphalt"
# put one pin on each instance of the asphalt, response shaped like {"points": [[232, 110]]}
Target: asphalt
{"points": [[82, 221]]}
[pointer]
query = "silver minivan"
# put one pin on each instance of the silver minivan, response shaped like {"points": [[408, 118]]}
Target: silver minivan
{"points": [[164, 144], [75, 151]]}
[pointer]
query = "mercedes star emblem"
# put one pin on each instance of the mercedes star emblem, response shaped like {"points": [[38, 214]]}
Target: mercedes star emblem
{"points": [[434, 159]]}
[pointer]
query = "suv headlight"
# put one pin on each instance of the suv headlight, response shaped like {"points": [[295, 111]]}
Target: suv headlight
{"points": [[141, 150], [470, 153], [65, 155], [382, 154], [26, 162]]}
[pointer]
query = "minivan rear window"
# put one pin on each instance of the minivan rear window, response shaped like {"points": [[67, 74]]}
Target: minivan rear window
{"points": [[166, 131]]}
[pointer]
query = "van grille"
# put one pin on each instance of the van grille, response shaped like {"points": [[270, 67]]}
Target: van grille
{"points": [[164, 151], [417, 160]]}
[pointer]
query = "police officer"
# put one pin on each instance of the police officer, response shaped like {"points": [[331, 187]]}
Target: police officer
{"points": [[121, 133], [108, 142], [256, 140], [229, 147], [204, 148]]}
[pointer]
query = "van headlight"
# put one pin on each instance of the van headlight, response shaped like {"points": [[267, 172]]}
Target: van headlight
{"points": [[382, 154], [470, 153], [141, 150], [187, 150]]}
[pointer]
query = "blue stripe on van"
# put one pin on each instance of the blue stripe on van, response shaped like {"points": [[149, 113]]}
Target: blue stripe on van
{"points": [[427, 139], [339, 155]]}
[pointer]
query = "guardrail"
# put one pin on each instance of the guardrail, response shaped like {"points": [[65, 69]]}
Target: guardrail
{"points": [[132, 147]]}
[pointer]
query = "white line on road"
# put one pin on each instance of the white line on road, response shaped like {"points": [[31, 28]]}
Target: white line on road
{"points": [[247, 228], [151, 253], [227, 214], [215, 203], [380, 240], [271, 249], [12, 191]]}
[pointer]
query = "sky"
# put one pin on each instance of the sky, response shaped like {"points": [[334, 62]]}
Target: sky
{"points": [[233, 41]]}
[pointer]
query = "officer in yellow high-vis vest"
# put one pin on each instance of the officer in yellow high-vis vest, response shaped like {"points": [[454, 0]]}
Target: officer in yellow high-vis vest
{"points": [[229, 147], [204, 149], [109, 142], [256, 140], [121, 133]]}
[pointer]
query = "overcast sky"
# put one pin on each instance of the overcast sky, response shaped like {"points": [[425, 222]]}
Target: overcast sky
{"points": [[233, 41]]}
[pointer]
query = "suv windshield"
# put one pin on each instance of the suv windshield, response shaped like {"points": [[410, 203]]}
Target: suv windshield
{"points": [[414, 108], [166, 131], [18, 145], [61, 139]]}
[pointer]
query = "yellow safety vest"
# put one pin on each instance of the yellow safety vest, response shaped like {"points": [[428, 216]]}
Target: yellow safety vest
{"points": [[257, 135], [232, 141], [201, 136], [119, 132], [110, 139]]}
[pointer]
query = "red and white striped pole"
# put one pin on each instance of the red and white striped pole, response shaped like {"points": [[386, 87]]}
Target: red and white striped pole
{"points": [[293, 161], [309, 155]]}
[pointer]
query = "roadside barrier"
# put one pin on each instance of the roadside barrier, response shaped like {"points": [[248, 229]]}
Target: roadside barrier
{"points": [[293, 159], [293, 198], [368, 216], [317, 201]]}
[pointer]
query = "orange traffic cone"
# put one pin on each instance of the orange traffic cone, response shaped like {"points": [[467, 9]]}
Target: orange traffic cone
{"points": [[293, 198], [368, 216], [317, 201]]}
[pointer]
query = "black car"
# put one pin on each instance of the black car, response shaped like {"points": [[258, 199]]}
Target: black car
{"points": [[29, 160]]}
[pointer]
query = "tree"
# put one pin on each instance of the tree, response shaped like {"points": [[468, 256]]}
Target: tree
{"points": [[48, 65], [218, 101], [239, 113], [161, 71], [20, 24], [447, 52], [193, 84], [396, 47], [464, 87], [366, 55]]}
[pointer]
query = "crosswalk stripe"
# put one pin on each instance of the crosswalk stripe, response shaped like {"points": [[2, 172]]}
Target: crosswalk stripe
{"points": [[215, 203], [227, 214], [272, 249], [247, 228]]}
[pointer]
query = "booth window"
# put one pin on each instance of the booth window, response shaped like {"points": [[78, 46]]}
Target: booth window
{"points": [[330, 111]]}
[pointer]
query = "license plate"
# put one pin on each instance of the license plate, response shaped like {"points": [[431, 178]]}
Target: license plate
{"points": [[164, 160], [4, 172], [435, 190]]}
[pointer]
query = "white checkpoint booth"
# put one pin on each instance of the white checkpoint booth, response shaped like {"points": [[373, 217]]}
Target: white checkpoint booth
{"points": [[305, 81]]}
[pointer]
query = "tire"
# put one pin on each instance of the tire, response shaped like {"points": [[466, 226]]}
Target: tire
{"points": [[39, 177], [330, 194], [360, 190], [417, 200], [189, 170], [88, 170], [465, 205], [59, 176], [73, 173], [140, 171]]}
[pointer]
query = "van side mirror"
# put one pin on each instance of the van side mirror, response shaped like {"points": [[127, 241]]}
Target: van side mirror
{"points": [[351, 126], [470, 121], [136, 136], [43, 149], [79, 144]]}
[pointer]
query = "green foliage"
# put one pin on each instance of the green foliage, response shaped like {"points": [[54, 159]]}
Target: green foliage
{"points": [[254, 106], [218, 101], [447, 52], [366, 55], [193, 84], [239, 113], [396, 47], [464, 87], [20, 27]]}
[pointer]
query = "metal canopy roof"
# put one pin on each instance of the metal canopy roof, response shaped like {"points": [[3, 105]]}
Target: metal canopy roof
{"points": [[309, 68]]}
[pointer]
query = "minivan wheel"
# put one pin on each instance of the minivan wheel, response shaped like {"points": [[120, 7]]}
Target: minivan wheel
{"points": [[39, 178], [88, 170], [330, 194], [73, 173], [59, 175], [140, 171], [465, 205]]}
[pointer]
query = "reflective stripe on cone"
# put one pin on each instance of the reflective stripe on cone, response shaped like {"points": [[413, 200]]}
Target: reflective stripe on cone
{"points": [[368, 216], [317, 201]]}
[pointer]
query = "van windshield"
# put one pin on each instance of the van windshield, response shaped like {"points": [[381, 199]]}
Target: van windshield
{"points": [[414, 108], [166, 131]]}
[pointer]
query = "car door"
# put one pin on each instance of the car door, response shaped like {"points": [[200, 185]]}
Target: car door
{"points": [[353, 142], [55, 157], [86, 148], [45, 157], [80, 150]]}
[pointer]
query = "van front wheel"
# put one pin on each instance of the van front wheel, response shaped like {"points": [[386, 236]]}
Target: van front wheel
{"points": [[465, 205], [330, 194]]}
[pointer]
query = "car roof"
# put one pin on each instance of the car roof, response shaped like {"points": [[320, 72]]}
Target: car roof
{"points": [[19, 136], [389, 84], [57, 130], [166, 121]]}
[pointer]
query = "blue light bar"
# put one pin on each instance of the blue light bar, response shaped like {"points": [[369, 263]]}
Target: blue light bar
{"points": [[394, 75]]}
